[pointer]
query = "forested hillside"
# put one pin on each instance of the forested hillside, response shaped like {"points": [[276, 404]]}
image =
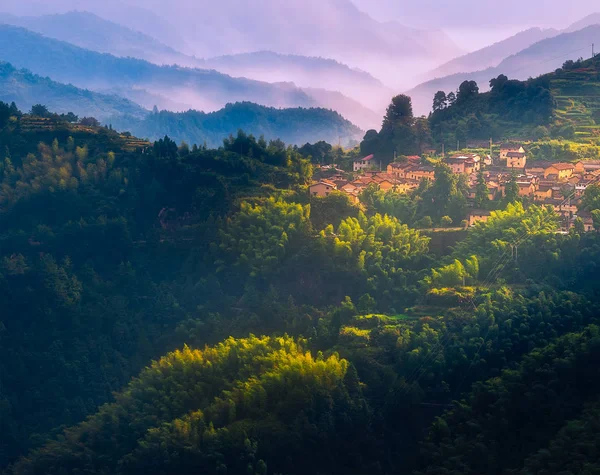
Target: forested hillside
{"points": [[293, 125], [181, 309], [561, 104]]}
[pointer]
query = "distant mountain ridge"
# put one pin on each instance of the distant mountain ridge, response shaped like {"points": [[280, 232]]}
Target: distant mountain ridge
{"points": [[539, 58], [296, 125], [305, 72], [200, 89], [27, 89], [492, 55], [178, 88], [92, 32]]}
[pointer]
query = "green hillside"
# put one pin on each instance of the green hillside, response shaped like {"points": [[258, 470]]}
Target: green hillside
{"points": [[564, 104], [293, 125], [274, 332], [577, 95]]}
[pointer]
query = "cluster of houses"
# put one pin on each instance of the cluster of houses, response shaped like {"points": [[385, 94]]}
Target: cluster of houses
{"points": [[543, 182], [560, 185], [400, 177]]}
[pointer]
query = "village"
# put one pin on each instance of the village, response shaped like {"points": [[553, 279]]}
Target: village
{"points": [[560, 185]]}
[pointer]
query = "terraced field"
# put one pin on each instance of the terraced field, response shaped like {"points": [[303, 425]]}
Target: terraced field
{"points": [[577, 95]]}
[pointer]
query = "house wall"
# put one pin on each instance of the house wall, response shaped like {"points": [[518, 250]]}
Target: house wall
{"points": [[321, 190], [562, 174], [516, 162]]}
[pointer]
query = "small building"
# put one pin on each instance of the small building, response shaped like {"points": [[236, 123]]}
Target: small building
{"points": [[526, 188], [349, 188], [543, 192], [405, 186], [322, 188], [364, 163], [516, 159], [507, 148], [478, 215], [588, 222], [585, 166], [398, 169], [420, 172], [561, 170], [537, 167], [464, 163]]}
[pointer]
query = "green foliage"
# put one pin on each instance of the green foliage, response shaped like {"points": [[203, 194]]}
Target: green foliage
{"points": [[509, 105], [254, 401], [446, 221], [397, 205], [259, 236], [445, 196], [565, 369], [591, 198]]}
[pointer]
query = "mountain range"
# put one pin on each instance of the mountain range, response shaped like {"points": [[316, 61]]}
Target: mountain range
{"points": [[293, 125], [322, 28], [201, 89], [174, 87], [492, 55]]}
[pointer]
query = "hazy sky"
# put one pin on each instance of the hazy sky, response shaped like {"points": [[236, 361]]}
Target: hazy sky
{"points": [[479, 13], [418, 13], [472, 24]]}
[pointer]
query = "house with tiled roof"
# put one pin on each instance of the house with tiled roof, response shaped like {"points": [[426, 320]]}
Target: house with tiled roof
{"points": [[516, 159], [537, 167], [364, 163], [561, 170], [420, 172], [507, 148], [543, 192], [398, 169], [464, 163], [322, 188]]}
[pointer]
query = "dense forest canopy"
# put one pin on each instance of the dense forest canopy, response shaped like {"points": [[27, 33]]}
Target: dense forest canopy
{"points": [[186, 308]]}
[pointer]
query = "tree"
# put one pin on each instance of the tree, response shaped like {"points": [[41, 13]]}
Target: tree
{"points": [[481, 191], [498, 83], [511, 189], [578, 226], [425, 222], [446, 221], [40, 110], [591, 198], [541, 133], [451, 98], [399, 112], [366, 304], [466, 91], [422, 134], [89, 122], [440, 101], [596, 219]]}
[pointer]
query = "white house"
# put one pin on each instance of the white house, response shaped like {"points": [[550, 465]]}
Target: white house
{"points": [[364, 163]]}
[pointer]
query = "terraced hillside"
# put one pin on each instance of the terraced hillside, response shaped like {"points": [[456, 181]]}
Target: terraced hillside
{"points": [[577, 95]]}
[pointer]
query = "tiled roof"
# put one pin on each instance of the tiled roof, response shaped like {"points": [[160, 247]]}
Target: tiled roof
{"points": [[562, 166]]}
